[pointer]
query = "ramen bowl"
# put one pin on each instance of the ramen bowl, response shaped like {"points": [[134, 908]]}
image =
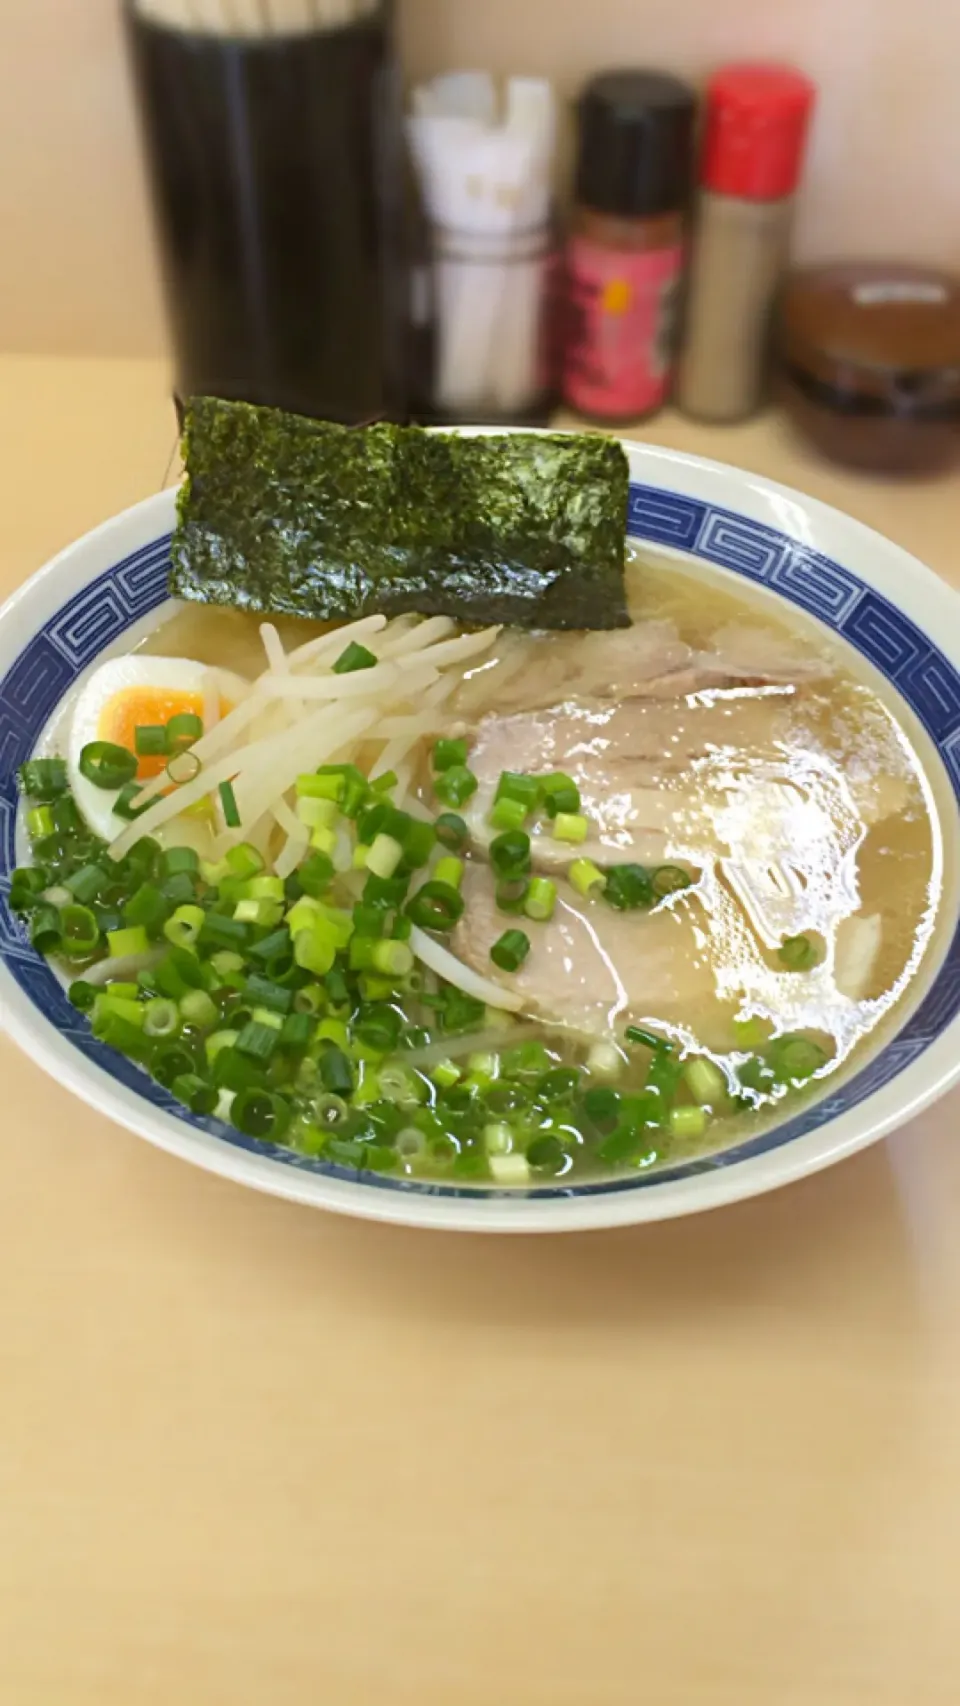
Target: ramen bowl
{"points": [[105, 594]]}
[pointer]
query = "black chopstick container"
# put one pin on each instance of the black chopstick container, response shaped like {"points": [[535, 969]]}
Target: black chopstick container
{"points": [[275, 161]]}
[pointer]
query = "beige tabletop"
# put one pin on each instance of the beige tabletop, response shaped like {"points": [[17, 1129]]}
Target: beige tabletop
{"points": [[254, 1456]]}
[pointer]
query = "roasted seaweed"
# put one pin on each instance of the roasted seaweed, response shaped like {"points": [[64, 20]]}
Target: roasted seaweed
{"points": [[289, 516]]}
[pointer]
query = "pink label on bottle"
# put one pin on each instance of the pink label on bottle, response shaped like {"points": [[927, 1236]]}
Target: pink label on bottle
{"points": [[623, 309]]}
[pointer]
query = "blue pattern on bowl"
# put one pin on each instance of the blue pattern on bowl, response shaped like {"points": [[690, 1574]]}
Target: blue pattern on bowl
{"points": [[97, 616]]}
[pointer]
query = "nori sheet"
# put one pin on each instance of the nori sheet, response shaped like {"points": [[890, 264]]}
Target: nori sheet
{"points": [[290, 516]]}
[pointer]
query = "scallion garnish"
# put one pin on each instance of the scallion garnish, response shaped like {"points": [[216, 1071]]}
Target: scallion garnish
{"points": [[510, 950], [107, 765], [228, 801], [455, 786], [353, 658], [183, 730], [150, 740]]}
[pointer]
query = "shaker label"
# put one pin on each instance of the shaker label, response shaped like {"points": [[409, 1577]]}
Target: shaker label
{"points": [[623, 310], [897, 290]]}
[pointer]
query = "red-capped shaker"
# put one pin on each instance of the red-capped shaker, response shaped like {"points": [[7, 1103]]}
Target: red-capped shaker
{"points": [[755, 128]]}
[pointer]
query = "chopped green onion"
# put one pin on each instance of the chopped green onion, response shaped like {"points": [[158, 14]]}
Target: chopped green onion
{"points": [[258, 1113], [309, 999], [511, 894], [557, 1084], [228, 801], [448, 754], [195, 1093], [184, 928], [219, 932], [183, 767], [392, 959], [378, 1026], [353, 658], [314, 951], [419, 841], [450, 871], [176, 860], [451, 831], [87, 883], [336, 1071], [82, 995], [497, 1138], [669, 879], [321, 786], [510, 854], [751, 1033], [80, 932], [125, 804], [445, 1073], [523, 790], [401, 1086], [257, 1040], [510, 950], [263, 913], [183, 729], [317, 813], [798, 953], [508, 814], [646, 1039], [264, 992], [540, 899], [180, 889], [323, 840], [602, 1106], [546, 1152], [161, 1017], [124, 943], [587, 877], [43, 779], [793, 1057], [245, 861], [107, 765], [561, 796], [199, 1009], [132, 1012], [316, 874], [266, 888], [384, 856], [150, 740], [705, 1081], [147, 907], [628, 887], [386, 783], [40, 823], [435, 906], [688, 1123], [297, 1031], [26, 885], [454, 787], [571, 827]]}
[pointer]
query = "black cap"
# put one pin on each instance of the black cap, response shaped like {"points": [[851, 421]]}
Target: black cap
{"points": [[636, 144]]}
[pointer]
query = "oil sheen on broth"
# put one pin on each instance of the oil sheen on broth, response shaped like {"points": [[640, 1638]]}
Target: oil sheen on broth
{"points": [[719, 738]]}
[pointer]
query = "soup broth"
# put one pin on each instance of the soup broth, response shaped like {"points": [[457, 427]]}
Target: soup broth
{"points": [[731, 885]]}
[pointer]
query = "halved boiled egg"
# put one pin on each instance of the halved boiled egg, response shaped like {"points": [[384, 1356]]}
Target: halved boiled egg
{"points": [[129, 693]]}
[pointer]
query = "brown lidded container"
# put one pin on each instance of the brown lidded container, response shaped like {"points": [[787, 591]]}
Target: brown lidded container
{"points": [[870, 364]]}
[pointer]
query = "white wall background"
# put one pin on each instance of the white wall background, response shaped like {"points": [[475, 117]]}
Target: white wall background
{"points": [[76, 269]]}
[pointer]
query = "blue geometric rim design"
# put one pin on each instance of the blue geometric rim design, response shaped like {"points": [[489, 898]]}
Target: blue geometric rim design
{"points": [[71, 640]]}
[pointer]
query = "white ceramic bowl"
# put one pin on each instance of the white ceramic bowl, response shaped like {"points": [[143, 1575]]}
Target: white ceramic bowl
{"points": [[101, 593]]}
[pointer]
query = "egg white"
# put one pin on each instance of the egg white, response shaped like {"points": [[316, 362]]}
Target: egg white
{"points": [[178, 675]]}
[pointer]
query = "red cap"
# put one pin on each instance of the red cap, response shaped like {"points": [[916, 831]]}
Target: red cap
{"points": [[754, 130]]}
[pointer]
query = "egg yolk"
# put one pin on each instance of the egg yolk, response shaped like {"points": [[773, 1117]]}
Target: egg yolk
{"points": [[138, 706]]}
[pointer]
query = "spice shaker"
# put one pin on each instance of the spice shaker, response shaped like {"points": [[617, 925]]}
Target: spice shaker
{"points": [[755, 129], [870, 364], [625, 253]]}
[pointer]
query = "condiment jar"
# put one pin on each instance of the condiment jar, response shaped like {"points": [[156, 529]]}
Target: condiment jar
{"points": [[754, 132], [626, 249], [870, 364]]}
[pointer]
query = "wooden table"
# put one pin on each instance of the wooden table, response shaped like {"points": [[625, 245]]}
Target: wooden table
{"points": [[254, 1456]]}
